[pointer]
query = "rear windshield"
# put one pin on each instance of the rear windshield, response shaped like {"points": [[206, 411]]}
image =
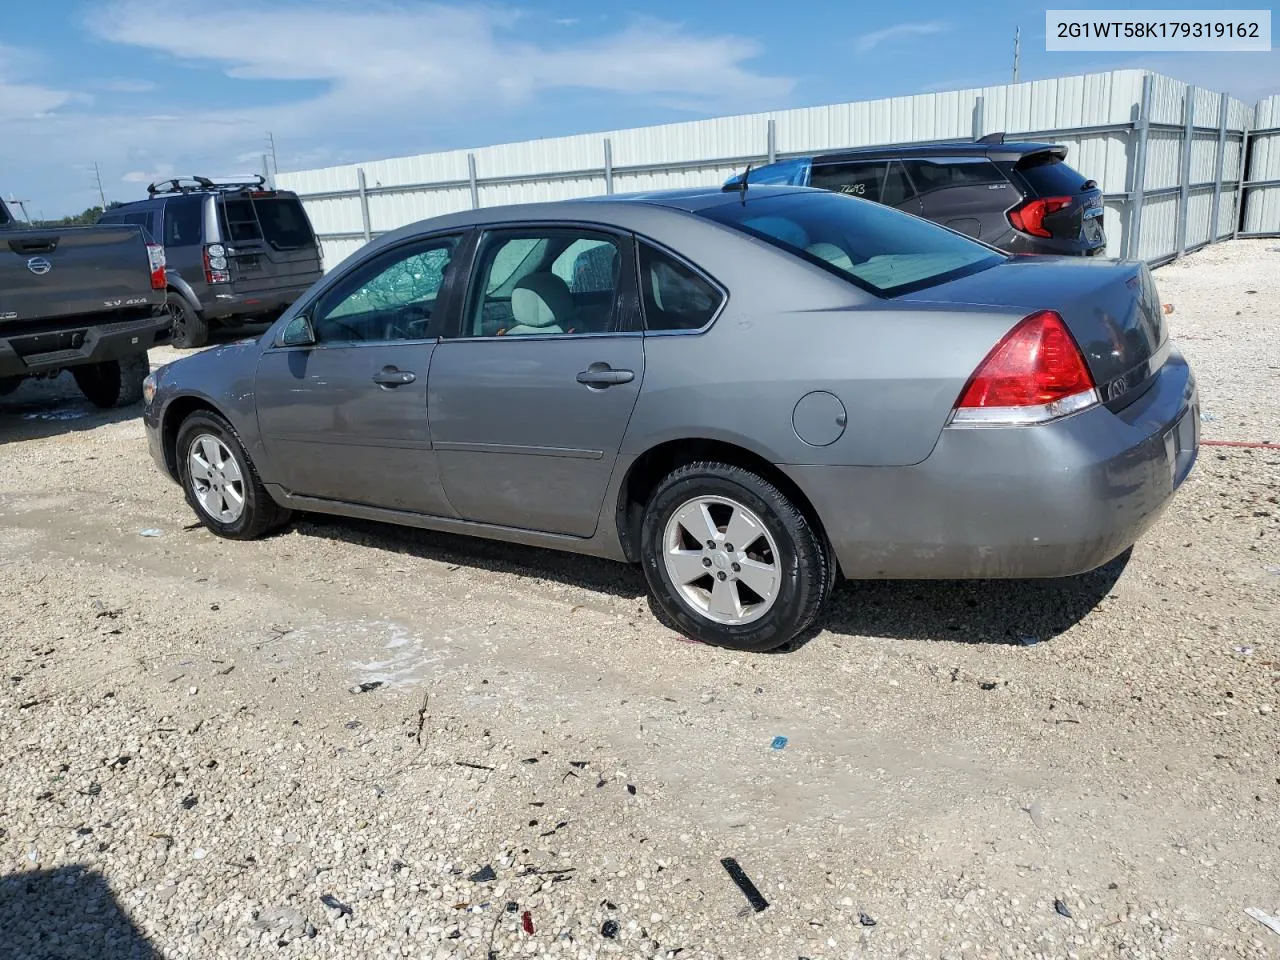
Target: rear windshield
{"points": [[280, 221], [1047, 176], [880, 249]]}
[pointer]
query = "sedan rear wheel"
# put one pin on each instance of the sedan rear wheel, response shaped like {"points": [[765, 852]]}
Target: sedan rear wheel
{"points": [[730, 560], [220, 481]]}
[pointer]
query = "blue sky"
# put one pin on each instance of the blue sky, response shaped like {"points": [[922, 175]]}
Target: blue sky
{"points": [[149, 88]]}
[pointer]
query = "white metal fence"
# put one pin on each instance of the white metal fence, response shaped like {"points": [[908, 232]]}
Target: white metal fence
{"points": [[1262, 208], [1169, 158]]}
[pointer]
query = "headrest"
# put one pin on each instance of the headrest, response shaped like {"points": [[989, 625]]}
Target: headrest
{"points": [[832, 254], [541, 300]]}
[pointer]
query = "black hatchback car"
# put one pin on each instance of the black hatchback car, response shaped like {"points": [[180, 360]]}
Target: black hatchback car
{"points": [[1020, 197], [237, 252]]}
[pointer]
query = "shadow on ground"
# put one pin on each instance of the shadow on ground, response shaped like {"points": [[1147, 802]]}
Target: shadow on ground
{"points": [[68, 913], [966, 611], [48, 408]]}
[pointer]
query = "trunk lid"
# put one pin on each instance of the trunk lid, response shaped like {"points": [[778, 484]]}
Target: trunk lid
{"points": [[1111, 308], [270, 241]]}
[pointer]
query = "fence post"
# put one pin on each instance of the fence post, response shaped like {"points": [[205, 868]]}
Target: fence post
{"points": [[1184, 169], [471, 175], [364, 204], [608, 166], [1133, 235], [1244, 178], [1223, 110], [979, 117], [771, 141]]}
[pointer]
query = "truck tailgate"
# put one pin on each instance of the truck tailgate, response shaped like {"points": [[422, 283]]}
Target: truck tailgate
{"points": [[71, 271]]}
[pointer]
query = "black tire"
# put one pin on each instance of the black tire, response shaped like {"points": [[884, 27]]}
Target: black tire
{"points": [[260, 514], [187, 329], [802, 558], [113, 383]]}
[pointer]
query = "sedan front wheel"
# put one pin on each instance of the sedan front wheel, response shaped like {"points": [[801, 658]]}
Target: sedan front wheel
{"points": [[220, 481], [730, 560]]}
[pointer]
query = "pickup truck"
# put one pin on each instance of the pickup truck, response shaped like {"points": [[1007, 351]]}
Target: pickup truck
{"points": [[90, 300]]}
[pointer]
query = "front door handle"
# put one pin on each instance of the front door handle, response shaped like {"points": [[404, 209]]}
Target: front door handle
{"points": [[603, 375], [393, 377]]}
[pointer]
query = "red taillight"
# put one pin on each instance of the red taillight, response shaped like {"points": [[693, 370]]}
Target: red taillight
{"points": [[155, 260], [215, 264], [1035, 373], [1029, 218]]}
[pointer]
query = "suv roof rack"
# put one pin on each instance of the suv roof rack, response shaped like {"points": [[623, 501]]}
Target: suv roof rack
{"points": [[203, 185]]}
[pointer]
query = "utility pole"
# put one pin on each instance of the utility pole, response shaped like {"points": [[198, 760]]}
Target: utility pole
{"points": [[1017, 45], [271, 143], [21, 205], [101, 193]]}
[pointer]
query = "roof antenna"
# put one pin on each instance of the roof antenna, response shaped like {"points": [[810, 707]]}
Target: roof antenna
{"points": [[742, 186]]}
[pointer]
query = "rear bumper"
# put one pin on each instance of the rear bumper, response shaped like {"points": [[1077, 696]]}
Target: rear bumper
{"points": [[1016, 242], [228, 304], [1044, 501], [76, 344]]}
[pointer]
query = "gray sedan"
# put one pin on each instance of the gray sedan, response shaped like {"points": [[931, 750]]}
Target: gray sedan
{"points": [[748, 394]]}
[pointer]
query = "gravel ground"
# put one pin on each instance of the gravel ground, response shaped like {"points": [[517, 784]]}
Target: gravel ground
{"points": [[187, 772]]}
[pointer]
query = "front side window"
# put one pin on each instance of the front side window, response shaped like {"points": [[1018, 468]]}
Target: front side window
{"points": [[391, 298], [543, 282], [880, 249], [859, 179], [675, 296]]}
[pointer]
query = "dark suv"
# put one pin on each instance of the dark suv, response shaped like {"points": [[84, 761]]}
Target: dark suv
{"points": [[236, 252], [1020, 197]]}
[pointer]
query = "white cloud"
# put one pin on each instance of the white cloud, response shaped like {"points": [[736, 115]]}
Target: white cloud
{"points": [[126, 85], [869, 41], [19, 100]]}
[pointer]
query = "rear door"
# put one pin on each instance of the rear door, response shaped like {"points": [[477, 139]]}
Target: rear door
{"points": [[531, 396], [184, 237], [271, 245], [345, 418], [967, 194]]}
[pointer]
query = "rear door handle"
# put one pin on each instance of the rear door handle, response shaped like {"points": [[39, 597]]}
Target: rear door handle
{"points": [[603, 375], [393, 377]]}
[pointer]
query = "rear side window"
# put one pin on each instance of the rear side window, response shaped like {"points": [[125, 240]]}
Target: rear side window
{"points": [[929, 174], [881, 250], [676, 297], [1048, 176], [183, 223]]}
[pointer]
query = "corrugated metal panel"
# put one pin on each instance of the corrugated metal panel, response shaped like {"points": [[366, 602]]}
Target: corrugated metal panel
{"points": [[1199, 210], [1167, 97], [1207, 105], [1159, 227], [1262, 204], [1204, 157], [1231, 158], [1228, 211], [1164, 159]]}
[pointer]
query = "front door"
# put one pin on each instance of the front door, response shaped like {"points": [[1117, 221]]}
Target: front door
{"points": [[345, 417], [531, 396]]}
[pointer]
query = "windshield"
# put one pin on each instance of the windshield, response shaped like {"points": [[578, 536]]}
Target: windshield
{"points": [[880, 249], [280, 221], [1048, 176]]}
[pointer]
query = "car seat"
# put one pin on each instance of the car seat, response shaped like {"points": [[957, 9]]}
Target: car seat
{"points": [[540, 303]]}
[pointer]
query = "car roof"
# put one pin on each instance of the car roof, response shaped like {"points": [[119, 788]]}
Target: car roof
{"points": [[1008, 150], [657, 210]]}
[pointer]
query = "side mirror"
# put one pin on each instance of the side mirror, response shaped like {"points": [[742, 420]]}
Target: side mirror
{"points": [[298, 333]]}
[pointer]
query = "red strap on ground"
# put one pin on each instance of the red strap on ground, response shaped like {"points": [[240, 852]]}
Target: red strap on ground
{"points": [[1240, 443]]}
